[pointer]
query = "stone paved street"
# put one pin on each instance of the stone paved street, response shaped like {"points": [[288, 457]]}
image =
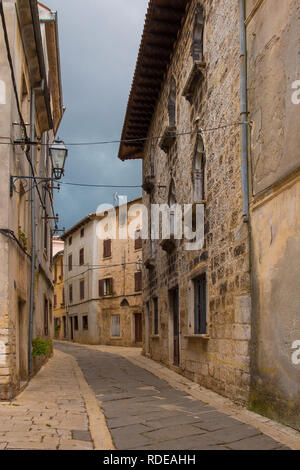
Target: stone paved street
{"points": [[62, 409], [146, 413]]}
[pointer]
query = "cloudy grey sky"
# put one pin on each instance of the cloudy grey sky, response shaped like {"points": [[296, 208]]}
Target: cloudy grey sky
{"points": [[99, 41]]}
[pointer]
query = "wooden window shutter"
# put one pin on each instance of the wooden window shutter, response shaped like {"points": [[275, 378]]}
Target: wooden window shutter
{"points": [[55, 272], [46, 319], [107, 249], [101, 288], [81, 290], [71, 293], [138, 244], [81, 256], [61, 268], [111, 282], [138, 281], [70, 262]]}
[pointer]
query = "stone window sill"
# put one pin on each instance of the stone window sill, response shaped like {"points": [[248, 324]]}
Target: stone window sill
{"points": [[155, 336], [205, 337]]}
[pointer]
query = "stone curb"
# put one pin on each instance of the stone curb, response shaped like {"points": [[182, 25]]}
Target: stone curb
{"points": [[99, 431]]}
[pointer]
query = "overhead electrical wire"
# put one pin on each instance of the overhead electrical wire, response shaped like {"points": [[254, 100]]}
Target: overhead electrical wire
{"points": [[132, 141]]}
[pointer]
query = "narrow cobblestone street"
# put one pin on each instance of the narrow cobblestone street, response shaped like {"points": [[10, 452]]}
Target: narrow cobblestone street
{"points": [[142, 411]]}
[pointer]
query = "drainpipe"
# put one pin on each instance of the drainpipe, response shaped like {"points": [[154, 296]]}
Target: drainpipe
{"points": [[244, 111], [33, 247]]}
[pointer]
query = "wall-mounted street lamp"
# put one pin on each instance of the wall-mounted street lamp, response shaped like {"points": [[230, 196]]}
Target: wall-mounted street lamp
{"points": [[58, 154]]}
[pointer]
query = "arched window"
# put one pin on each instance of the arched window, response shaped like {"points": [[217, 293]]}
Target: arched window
{"points": [[172, 202], [197, 49], [199, 170], [172, 103]]}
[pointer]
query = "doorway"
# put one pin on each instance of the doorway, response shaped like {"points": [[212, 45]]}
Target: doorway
{"points": [[138, 328], [147, 329], [72, 328], [174, 303], [22, 342]]}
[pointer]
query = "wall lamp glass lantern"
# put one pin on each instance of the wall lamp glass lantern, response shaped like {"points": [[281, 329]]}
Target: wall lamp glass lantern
{"points": [[58, 154]]}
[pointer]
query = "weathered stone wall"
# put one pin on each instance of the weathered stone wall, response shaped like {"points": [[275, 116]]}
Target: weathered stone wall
{"points": [[15, 265], [221, 361], [273, 67]]}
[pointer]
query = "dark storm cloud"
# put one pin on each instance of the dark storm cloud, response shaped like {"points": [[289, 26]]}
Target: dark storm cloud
{"points": [[99, 42]]}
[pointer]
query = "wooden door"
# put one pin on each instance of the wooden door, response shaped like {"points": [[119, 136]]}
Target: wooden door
{"points": [[138, 328], [175, 295]]}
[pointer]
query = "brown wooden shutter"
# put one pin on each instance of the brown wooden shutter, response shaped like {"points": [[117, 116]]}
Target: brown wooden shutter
{"points": [[81, 257], [81, 290], [61, 268], [70, 262], [101, 288], [138, 281], [71, 293], [111, 282], [138, 244], [55, 271], [107, 249]]}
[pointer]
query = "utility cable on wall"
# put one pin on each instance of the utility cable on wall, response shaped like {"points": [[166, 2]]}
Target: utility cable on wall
{"points": [[144, 139]]}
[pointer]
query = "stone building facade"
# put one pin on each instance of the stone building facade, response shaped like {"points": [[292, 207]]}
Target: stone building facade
{"points": [[274, 107], [28, 108], [59, 310], [103, 283], [200, 307]]}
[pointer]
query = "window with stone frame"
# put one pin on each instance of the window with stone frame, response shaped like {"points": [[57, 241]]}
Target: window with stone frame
{"points": [[105, 287], [155, 316], [199, 169], [115, 326], [76, 324], [71, 293], [85, 322], [198, 34], [81, 289], [81, 257], [138, 242], [46, 318], [172, 102], [200, 305], [172, 202], [70, 262]]}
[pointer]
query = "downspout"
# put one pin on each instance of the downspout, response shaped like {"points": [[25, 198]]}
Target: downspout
{"points": [[244, 111], [33, 247]]}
